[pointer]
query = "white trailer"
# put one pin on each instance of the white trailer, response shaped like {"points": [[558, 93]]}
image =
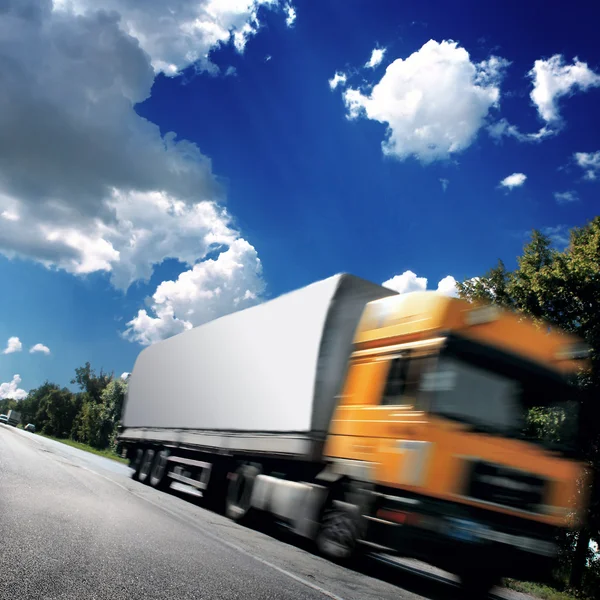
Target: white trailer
{"points": [[262, 380], [245, 402]]}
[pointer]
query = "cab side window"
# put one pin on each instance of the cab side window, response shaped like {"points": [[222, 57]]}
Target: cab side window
{"points": [[403, 381], [396, 382]]}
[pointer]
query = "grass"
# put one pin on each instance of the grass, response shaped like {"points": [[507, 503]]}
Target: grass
{"points": [[104, 453], [539, 590]]}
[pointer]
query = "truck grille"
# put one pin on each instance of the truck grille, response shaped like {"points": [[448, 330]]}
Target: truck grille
{"points": [[505, 487]]}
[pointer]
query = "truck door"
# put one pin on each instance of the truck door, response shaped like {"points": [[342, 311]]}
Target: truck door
{"points": [[405, 447], [381, 420]]}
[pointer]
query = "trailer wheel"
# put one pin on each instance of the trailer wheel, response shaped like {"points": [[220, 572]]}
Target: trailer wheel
{"points": [[239, 494], [136, 463], [146, 466], [158, 472]]}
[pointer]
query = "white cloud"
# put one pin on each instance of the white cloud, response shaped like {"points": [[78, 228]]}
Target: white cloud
{"points": [[410, 282], [559, 235], [14, 345], [338, 79], [553, 79], [590, 163], [503, 128], [179, 33], [9, 216], [40, 348], [445, 183], [11, 389], [376, 58], [407, 282], [566, 197], [513, 181], [433, 103], [290, 15], [133, 197], [447, 286], [153, 226], [209, 290]]}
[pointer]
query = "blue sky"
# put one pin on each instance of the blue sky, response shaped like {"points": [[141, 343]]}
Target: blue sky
{"points": [[161, 169]]}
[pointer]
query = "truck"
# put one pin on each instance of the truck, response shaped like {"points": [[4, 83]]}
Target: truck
{"points": [[13, 417], [368, 421]]}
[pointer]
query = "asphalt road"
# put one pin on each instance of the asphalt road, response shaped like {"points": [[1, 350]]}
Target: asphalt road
{"points": [[74, 525]]}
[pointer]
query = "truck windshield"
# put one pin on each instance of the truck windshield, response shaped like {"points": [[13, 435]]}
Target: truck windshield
{"points": [[508, 401]]}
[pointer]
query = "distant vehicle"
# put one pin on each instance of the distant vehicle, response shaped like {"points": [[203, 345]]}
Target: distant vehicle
{"points": [[14, 417], [367, 419], [3, 419], [30, 427]]}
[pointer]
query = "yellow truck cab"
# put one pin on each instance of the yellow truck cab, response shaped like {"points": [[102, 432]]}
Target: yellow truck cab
{"points": [[433, 415]]}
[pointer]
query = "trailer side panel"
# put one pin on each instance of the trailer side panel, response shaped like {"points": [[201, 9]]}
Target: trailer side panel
{"points": [[254, 370]]}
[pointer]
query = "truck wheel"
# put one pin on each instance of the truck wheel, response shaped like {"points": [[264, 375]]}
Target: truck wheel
{"points": [[146, 466], [158, 472], [338, 534], [239, 494], [136, 463]]}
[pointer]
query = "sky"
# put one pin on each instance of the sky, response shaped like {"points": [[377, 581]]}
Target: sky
{"points": [[162, 165]]}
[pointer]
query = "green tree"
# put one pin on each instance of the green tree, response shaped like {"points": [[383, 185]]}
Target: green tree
{"points": [[90, 384], [101, 399], [91, 426], [90, 416], [492, 287], [7, 404], [561, 288], [113, 398], [30, 406], [57, 410]]}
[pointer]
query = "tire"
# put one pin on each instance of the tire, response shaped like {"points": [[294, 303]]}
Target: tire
{"points": [[239, 494], [146, 466], [342, 525], [158, 473], [136, 463], [338, 535]]}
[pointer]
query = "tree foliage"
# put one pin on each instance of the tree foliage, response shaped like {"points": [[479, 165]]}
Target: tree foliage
{"points": [[7, 404], [91, 426], [30, 406], [90, 416], [113, 399], [90, 384], [57, 410]]}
